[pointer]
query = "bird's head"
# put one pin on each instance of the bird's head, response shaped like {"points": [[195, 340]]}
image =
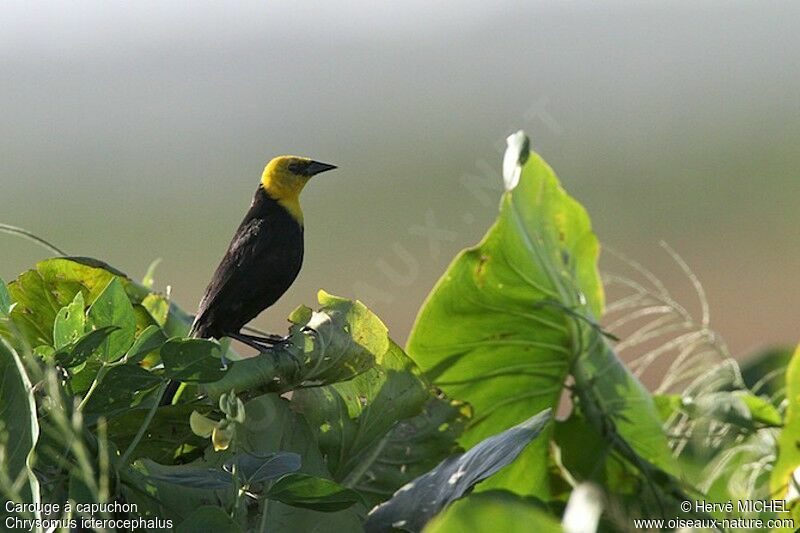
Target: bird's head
{"points": [[285, 176]]}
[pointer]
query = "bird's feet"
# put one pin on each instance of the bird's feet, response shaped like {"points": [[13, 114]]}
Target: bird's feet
{"points": [[261, 342], [267, 341]]}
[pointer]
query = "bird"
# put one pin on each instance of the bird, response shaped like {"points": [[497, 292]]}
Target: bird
{"points": [[262, 260], [264, 257]]}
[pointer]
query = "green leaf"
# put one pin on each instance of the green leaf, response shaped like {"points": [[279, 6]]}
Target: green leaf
{"points": [[6, 303], [587, 456], [287, 518], [489, 333], [208, 518], [189, 476], [192, 360], [760, 409], [113, 308], [740, 408], [122, 388], [158, 308], [336, 343], [619, 406], [494, 511], [166, 500], [257, 469], [785, 478], [258, 435], [412, 447], [168, 434], [19, 427], [415, 504], [148, 341], [513, 315], [352, 419], [302, 490], [667, 405], [764, 372], [45, 351], [70, 323], [40, 293], [80, 350]]}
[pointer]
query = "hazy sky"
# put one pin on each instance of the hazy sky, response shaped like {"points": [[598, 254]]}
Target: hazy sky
{"points": [[135, 130]]}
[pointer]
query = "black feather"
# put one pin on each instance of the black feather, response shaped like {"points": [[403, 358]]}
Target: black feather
{"points": [[261, 263]]}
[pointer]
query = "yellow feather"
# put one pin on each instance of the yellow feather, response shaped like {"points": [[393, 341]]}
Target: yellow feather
{"points": [[283, 185]]}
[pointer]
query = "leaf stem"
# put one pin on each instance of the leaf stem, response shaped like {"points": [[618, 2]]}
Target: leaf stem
{"points": [[352, 479], [262, 527], [149, 418], [101, 373]]}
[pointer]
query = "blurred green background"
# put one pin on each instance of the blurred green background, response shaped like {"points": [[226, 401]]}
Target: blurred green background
{"points": [[131, 131]]}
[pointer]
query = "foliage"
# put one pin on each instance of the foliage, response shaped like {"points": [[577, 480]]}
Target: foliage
{"points": [[417, 502], [340, 429]]}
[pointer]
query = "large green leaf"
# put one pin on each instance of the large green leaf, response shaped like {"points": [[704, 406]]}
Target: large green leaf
{"points": [[588, 457], [19, 427], [618, 405], [590, 454], [494, 511], [785, 478], [511, 316], [416, 503]]}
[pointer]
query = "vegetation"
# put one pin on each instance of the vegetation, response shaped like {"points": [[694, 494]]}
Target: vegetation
{"points": [[342, 429]]}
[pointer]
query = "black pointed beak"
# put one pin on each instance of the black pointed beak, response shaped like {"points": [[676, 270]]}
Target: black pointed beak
{"points": [[315, 167]]}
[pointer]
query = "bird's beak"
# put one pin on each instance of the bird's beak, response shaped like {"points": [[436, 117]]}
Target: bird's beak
{"points": [[315, 167]]}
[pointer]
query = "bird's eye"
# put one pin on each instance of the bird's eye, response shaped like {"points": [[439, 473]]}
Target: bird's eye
{"points": [[297, 167]]}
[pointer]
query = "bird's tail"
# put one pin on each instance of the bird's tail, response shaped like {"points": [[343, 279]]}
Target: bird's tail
{"points": [[198, 329]]}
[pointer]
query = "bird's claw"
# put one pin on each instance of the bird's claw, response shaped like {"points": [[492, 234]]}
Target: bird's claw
{"points": [[261, 343]]}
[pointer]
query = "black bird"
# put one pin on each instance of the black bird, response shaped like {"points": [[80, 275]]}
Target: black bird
{"points": [[262, 260], [265, 255]]}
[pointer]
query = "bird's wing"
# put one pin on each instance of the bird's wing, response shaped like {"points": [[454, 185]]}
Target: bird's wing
{"points": [[251, 238], [258, 267]]}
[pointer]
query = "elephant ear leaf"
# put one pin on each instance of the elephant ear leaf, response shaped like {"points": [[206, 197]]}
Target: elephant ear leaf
{"points": [[514, 315], [416, 503]]}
